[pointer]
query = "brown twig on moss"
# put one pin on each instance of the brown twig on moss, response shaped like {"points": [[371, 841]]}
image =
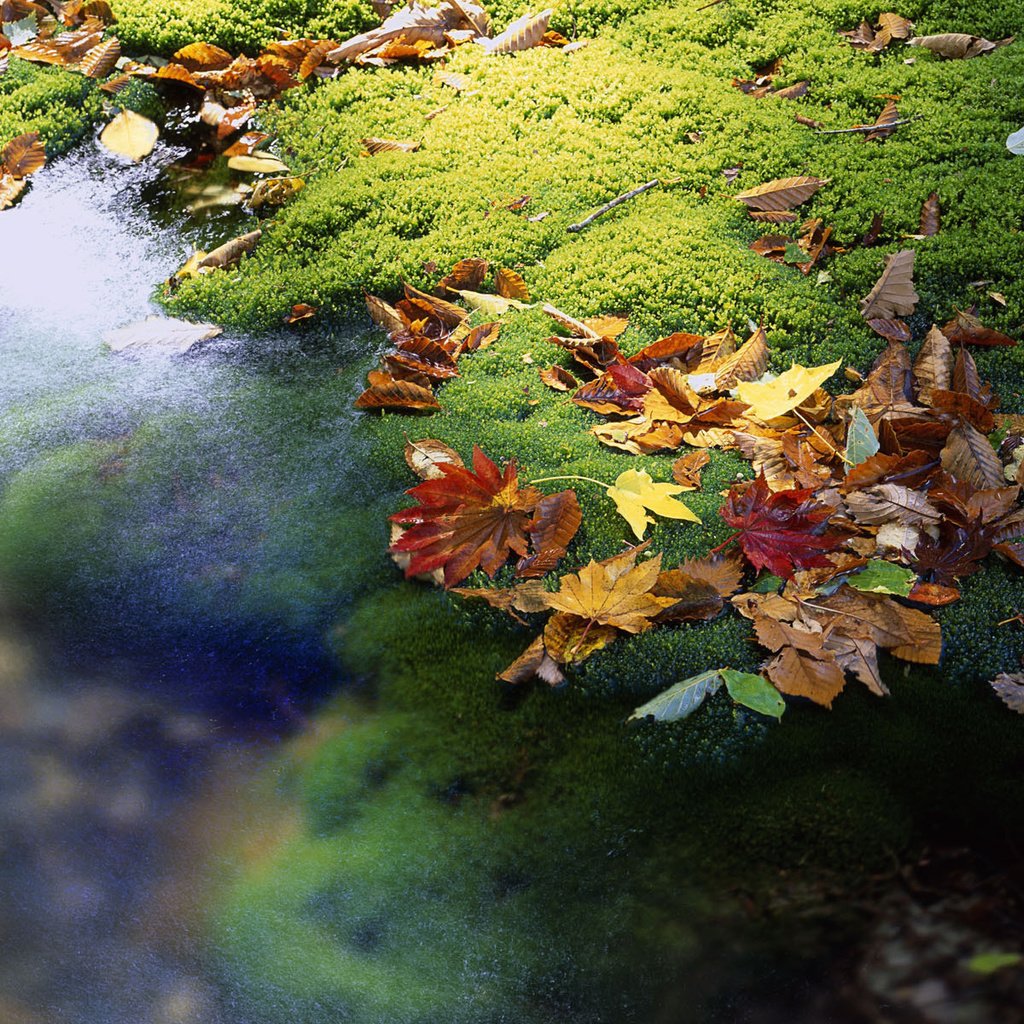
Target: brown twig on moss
{"points": [[615, 202]]}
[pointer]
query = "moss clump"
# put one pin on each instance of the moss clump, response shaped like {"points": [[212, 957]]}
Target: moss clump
{"points": [[163, 26], [60, 106]]}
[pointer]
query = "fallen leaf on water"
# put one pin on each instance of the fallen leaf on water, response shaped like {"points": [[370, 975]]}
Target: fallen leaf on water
{"points": [[130, 135], [160, 335], [256, 164]]}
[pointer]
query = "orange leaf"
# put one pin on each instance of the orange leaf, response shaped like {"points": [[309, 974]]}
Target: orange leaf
{"points": [[23, 155]]}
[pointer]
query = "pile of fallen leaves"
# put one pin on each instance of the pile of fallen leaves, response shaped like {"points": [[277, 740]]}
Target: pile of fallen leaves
{"points": [[866, 511]]}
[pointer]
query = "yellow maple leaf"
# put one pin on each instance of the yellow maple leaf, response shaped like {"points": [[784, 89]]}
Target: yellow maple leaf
{"points": [[777, 397], [634, 492]]}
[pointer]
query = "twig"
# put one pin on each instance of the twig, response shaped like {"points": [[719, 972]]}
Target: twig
{"points": [[866, 127], [714, 3], [615, 202]]}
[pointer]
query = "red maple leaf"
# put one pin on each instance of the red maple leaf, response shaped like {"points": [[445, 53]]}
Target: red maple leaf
{"points": [[466, 519], [781, 531]]}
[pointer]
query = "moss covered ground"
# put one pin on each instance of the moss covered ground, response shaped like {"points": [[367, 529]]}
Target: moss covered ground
{"points": [[445, 825]]}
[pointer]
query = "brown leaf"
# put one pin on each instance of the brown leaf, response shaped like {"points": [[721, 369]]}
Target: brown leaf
{"points": [[747, 363], [693, 600], [956, 403], [967, 329], [300, 311], [424, 355], [10, 189], [885, 123], [426, 457], [533, 662], [933, 367], [957, 45], [384, 315], [933, 594], [680, 351], [931, 216], [892, 503], [801, 675], [782, 194], [891, 330], [607, 326], [481, 336], [101, 59], [447, 312], [228, 254], [314, 58], [893, 294], [203, 57], [509, 285], [559, 378], [555, 521], [621, 388], [970, 458], [23, 155], [723, 570], [791, 92], [375, 146], [522, 34], [466, 275], [686, 470], [967, 379], [385, 392]]}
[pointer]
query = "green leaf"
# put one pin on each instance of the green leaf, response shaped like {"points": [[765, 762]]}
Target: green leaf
{"points": [[861, 442], [794, 254], [681, 700], [989, 963], [754, 692], [880, 577], [767, 584]]}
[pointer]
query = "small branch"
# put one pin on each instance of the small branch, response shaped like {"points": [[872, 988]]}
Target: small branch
{"points": [[860, 128], [615, 202], [714, 3]]}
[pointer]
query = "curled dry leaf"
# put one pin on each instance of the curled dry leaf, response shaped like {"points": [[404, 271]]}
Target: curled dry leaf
{"points": [[300, 311], [893, 294], [559, 378], [228, 254], [686, 469], [426, 457]]}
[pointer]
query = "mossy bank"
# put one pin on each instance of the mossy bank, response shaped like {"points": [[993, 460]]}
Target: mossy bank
{"points": [[446, 817]]}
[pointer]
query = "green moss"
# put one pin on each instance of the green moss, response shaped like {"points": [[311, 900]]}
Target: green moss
{"points": [[60, 106], [163, 26]]}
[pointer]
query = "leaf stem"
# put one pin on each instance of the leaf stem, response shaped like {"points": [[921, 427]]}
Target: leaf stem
{"points": [[724, 544], [585, 479]]}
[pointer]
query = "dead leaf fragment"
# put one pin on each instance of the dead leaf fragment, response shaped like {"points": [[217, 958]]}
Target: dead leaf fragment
{"points": [[159, 335]]}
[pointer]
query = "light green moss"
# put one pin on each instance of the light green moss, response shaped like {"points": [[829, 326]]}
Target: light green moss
{"points": [[163, 26]]}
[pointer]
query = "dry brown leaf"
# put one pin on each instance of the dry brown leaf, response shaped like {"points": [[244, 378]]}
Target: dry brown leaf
{"points": [[533, 662], [23, 155], [572, 638], [10, 189], [522, 34], [385, 392], [893, 294], [375, 146], [686, 470], [510, 285], [933, 367], [228, 254], [801, 675], [958, 45], [748, 363], [203, 57], [892, 503], [931, 216], [384, 315], [467, 274], [425, 457], [1010, 689], [782, 194], [559, 378], [969, 458], [101, 59], [774, 216]]}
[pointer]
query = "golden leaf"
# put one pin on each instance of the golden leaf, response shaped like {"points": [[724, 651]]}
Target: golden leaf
{"points": [[522, 34], [375, 146], [257, 165], [635, 492], [130, 135], [788, 390], [23, 155], [509, 285]]}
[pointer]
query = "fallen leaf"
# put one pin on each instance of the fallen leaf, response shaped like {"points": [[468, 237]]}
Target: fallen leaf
{"points": [[775, 398], [968, 457], [130, 135], [882, 577], [203, 57], [861, 441], [931, 216], [958, 45], [467, 273], [426, 457], [801, 675], [893, 294], [101, 59], [782, 194], [521, 34], [686, 469], [375, 146], [509, 285], [160, 335], [256, 164], [754, 692], [10, 189], [634, 492], [892, 503], [23, 155], [780, 531], [556, 519], [967, 329], [300, 311], [387, 392], [228, 254], [533, 662]]}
